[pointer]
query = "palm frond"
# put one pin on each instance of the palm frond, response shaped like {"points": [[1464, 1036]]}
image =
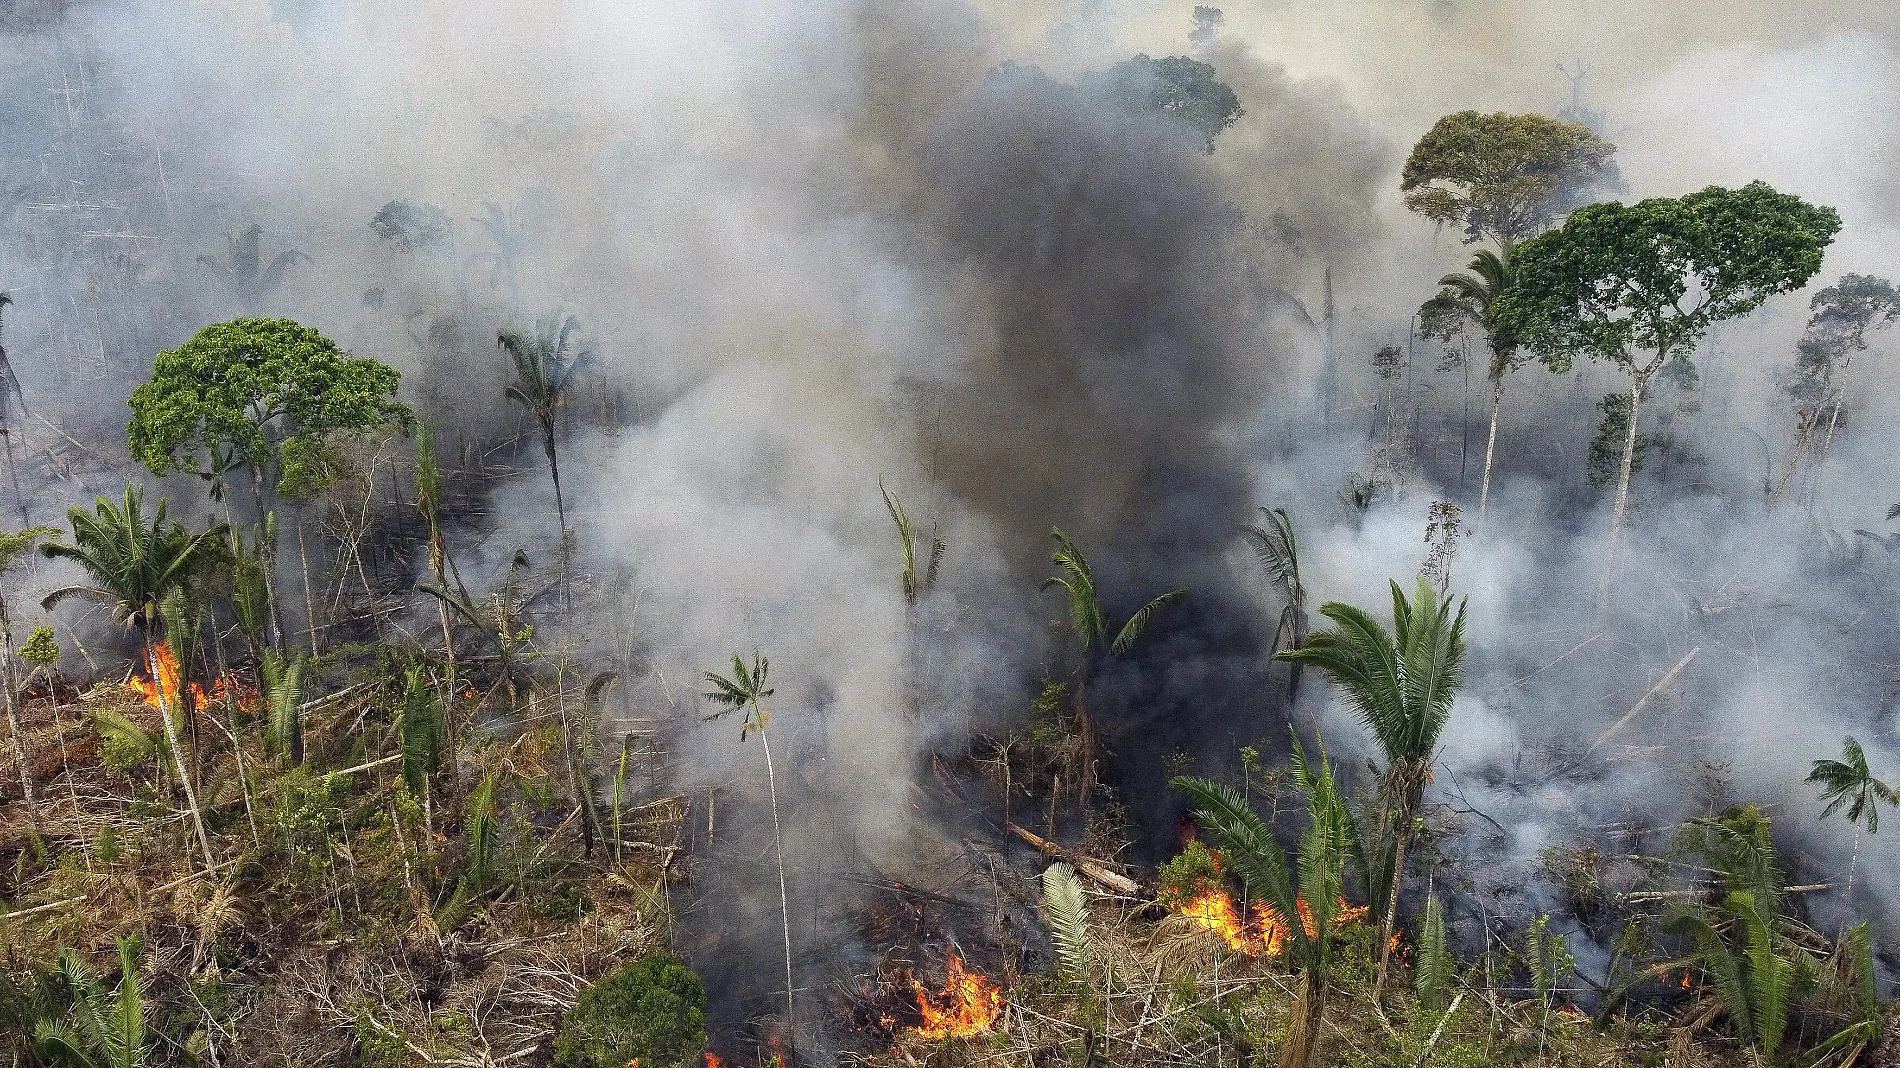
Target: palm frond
{"points": [[1246, 844], [1279, 554], [1131, 631]]}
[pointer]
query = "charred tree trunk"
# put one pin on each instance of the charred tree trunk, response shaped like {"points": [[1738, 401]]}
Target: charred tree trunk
{"points": [[17, 732], [1303, 1022]]}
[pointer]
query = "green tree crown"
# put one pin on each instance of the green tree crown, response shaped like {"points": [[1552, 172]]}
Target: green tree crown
{"points": [[1620, 278], [251, 392]]}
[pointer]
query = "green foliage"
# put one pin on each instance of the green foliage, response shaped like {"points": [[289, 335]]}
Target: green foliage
{"points": [[420, 725], [1755, 973], [741, 691], [913, 583], [482, 831], [1547, 957], [1470, 299], [250, 584], [1504, 177], [99, 1029], [124, 746], [1065, 907], [1433, 972], [1605, 464], [545, 361], [1086, 616], [652, 1012], [42, 648], [283, 702], [133, 563], [1250, 852], [1653, 276], [1177, 87], [1848, 783], [412, 227], [1839, 319], [1401, 683], [249, 276], [241, 393], [1193, 871]]}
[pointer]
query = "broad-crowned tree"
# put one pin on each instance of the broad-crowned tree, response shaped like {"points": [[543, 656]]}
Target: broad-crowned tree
{"points": [[265, 395], [1503, 177], [1638, 285]]}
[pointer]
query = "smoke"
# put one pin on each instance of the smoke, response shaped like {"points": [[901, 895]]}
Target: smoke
{"points": [[816, 246]]}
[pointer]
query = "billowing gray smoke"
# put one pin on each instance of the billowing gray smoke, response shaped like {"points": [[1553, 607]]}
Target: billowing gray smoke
{"points": [[816, 245]]}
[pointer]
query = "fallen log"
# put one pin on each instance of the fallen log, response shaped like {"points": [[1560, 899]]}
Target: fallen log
{"points": [[1121, 884]]}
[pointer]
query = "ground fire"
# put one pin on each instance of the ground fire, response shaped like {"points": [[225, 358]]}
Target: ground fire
{"points": [[968, 1005], [163, 693], [1263, 936]]}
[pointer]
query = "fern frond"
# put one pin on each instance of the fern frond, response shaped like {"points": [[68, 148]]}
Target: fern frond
{"points": [[1065, 908]]}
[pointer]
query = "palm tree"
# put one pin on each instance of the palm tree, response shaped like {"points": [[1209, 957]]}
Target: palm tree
{"points": [[250, 277], [1848, 783], [1089, 621], [545, 363], [100, 1030], [12, 547], [1312, 892], [1279, 554], [1402, 685], [133, 565], [741, 692], [1466, 298], [419, 727]]}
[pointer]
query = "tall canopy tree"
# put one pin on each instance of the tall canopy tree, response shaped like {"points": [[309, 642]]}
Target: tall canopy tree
{"points": [[1638, 285], [1401, 683], [1469, 300], [134, 563], [1308, 896], [262, 394], [1839, 319], [1503, 177]]}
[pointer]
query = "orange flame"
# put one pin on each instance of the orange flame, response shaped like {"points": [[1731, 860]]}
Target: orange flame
{"points": [[1214, 910], [969, 1004], [166, 689], [712, 1060]]}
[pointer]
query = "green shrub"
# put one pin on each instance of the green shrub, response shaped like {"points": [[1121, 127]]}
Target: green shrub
{"points": [[1189, 875], [653, 1011]]}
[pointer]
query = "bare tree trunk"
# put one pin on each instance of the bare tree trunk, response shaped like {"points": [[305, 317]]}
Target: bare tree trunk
{"points": [[270, 564], [18, 732], [1303, 1023], [178, 759], [309, 602], [1629, 456], [784, 903], [1391, 920], [1490, 447], [560, 508]]}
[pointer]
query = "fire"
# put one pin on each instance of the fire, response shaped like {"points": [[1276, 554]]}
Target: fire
{"points": [[713, 1061], [1214, 910], [969, 1004], [166, 689]]}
